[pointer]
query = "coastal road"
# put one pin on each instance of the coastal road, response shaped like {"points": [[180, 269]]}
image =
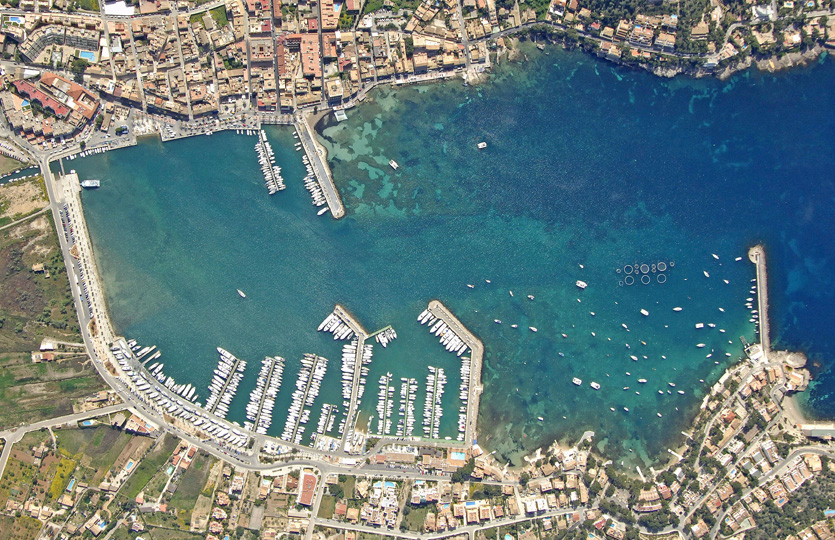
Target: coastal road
{"points": [[469, 530]]}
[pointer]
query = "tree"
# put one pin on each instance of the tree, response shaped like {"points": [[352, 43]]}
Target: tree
{"points": [[99, 121], [524, 478]]}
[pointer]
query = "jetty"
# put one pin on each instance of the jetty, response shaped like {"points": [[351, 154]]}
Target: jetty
{"points": [[757, 256], [315, 154], [361, 336], [437, 309]]}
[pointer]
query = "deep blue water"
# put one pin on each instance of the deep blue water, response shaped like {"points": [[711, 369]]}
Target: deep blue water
{"points": [[589, 167]]}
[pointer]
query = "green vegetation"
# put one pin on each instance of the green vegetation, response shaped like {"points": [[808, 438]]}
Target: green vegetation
{"points": [[61, 478], [371, 6], [95, 449], [463, 474], [327, 507], [192, 481], [346, 21], [805, 507], [8, 165], [152, 462], [18, 527], [87, 5], [78, 65], [196, 18], [415, 516], [220, 17]]}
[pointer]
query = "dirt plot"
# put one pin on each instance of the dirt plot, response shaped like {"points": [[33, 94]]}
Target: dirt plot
{"points": [[95, 449], [32, 305], [33, 392], [18, 199]]}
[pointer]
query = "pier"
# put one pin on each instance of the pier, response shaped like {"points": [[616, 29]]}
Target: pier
{"points": [[314, 362], [361, 336], [440, 311], [757, 256], [265, 391], [223, 389], [320, 167]]}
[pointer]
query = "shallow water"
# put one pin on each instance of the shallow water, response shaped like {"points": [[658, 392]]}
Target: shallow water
{"points": [[589, 168]]}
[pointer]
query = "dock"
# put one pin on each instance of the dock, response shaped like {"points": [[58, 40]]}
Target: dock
{"points": [[225, 387], [440, 311], [361, 336], [264, 393], [316, 156], [315, 362], [757, 256]]}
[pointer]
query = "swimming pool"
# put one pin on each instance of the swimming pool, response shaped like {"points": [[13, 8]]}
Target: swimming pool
{"points": [[129, 466], [16, 20], [461, 456], [85, 423], [71, 484], [87, 55]]}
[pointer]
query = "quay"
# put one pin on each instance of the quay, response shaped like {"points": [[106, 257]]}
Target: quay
{"points": [[757, 256], [316, 156], [362, 335], [440, 311]]}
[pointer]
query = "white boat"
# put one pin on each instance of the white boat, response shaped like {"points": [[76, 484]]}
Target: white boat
{"points": [[642, 381], [90, 184], [676, 309], [595, 385], [700, 325], [581, 284], [644, 312], [577, 381], [532, 329], [241, 293], [394, 164], [482, 145], [700, 345], [540, 418], [322, 211], [706, 274]]}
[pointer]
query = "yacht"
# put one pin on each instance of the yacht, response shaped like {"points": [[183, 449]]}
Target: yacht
{"points": [[241, 293], [581, 284], [595, 385], [577, 381], [482, 145], [676, 309], [90, 184], [394, 164]]}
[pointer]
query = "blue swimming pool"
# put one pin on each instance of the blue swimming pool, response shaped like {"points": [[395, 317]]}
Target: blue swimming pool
{"points": [[85, 423], [90, 57], [461, 456], [16, 20]]}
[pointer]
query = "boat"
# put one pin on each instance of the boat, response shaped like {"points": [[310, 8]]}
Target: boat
{"points": [[715, 256], [706, 274], [532, 328], [642, 381], [322, 211], [241, 293], [659, 414], [90, 184], [577, 381], [482, 145], [581, 284], [394, 164], [676, 309], [595, 385], [540, 418], [644, 312], [700, 345]]}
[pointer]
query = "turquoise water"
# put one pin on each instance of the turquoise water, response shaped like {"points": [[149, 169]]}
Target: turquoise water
{"points": [[588, 168]]}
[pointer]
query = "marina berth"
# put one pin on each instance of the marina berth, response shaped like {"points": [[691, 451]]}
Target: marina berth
{"points": [[266, 160]]}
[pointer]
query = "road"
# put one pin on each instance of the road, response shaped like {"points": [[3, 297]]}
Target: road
{"points": [[27, 218], [14, 435]]}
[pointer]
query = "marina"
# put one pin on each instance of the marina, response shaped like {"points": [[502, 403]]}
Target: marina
{"points": [[266, 160], [225, 380], [308, 384], [259, 410]]}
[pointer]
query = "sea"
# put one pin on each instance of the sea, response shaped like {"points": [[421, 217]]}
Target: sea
{"points": [[649, 190]]}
